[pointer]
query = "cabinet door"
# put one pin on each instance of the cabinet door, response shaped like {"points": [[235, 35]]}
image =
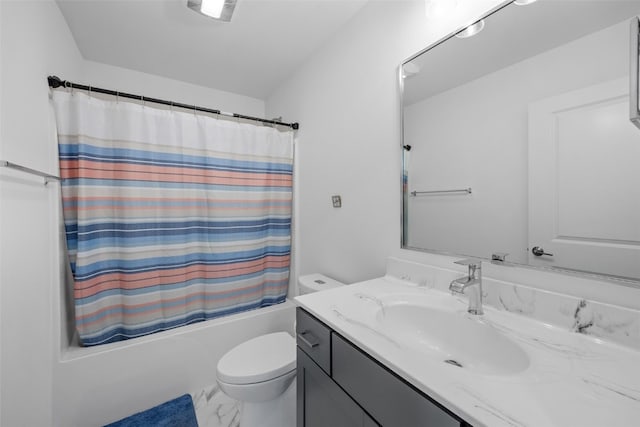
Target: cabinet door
{"points": [[381, 393], [321, 403]]}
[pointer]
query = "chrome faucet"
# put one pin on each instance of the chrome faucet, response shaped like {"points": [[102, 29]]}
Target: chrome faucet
{"points": [[474, 277]]}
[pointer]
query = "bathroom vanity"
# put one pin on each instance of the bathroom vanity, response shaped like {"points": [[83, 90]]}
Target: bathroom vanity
{"points": [[340, 385], [501, 133], [398, 352]]}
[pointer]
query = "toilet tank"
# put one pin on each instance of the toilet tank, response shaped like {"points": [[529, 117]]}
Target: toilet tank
{"points": [[316, 282]]}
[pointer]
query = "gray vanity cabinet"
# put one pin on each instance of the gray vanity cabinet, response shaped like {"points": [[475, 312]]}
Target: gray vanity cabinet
{"points": [[341, 386]]}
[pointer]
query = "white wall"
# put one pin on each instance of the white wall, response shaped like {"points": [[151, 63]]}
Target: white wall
{"points": [[40, 384], [1, 224], [125, 80], [35, 43], [346, 100], [489, 151]]}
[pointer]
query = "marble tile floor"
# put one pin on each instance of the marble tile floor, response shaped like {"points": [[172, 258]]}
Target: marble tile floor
{"points": [[215, 409]]}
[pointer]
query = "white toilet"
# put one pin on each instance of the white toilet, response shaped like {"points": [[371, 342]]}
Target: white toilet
{"points": [[261, 372]]}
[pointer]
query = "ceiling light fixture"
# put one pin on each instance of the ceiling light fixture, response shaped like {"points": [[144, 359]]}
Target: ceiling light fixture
{"points": [[524, 2], [410, 69], [471, 30], [216, 9]]}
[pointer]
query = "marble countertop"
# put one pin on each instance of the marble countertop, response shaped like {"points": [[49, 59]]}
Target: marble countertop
{"points": [[571, 379]]}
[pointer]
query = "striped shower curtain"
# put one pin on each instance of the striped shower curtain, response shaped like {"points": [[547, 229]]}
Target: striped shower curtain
{"points": [[171, 218]]}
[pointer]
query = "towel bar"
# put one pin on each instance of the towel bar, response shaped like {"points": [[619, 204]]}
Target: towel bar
{"points": [[47, 177], [461, 190]]}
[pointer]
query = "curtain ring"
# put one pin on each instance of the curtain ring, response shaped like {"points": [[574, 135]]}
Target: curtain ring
{"points": [[142, 99], [171, 106], [117, 97], [194, 110], [89, 91]]}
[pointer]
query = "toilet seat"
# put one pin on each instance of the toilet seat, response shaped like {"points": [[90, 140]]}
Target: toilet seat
{"points": [[260, 359]]}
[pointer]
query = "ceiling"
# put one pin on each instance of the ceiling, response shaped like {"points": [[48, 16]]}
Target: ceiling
{"points": [[265, 42]]}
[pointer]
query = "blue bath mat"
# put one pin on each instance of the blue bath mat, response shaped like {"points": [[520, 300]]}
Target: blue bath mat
{"points": [[178, 412]]}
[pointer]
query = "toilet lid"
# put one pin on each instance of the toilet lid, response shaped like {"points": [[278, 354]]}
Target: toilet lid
{"points": [[259, 359]]}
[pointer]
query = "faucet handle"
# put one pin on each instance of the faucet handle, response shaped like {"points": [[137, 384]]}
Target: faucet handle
{"points": [[471, 262]]}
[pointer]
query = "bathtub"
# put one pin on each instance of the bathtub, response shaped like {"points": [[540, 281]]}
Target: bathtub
{"points": [[98, 385]]}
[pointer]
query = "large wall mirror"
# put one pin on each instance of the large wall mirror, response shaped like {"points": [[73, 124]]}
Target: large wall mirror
{"points": [[518, 140]]}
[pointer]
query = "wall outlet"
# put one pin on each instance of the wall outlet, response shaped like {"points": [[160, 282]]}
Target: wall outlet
{"points": [[337, 201]]}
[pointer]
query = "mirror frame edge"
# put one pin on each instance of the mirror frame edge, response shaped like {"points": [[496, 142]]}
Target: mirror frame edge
{"points": [[618, 280], [634, 77]]}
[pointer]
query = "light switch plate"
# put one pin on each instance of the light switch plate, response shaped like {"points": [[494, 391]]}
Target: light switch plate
{"points": [[337, 201]]}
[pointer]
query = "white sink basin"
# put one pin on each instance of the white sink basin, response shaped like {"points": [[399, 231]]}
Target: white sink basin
{"points": [[454, 337]]}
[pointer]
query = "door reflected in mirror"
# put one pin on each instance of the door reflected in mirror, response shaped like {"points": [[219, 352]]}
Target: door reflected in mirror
{"points": [[531, 115]]}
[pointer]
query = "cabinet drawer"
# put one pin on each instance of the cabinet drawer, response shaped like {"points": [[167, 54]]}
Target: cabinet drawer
{"points": [[314, 338], [388, 399]]}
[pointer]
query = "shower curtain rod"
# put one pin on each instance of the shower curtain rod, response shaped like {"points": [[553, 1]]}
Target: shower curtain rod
{"points": [[56, 82]]}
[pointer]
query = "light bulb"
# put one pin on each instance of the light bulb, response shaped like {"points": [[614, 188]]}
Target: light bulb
{"points": [[471, 30], [222, 10], [410, 69], [212, 8]]}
